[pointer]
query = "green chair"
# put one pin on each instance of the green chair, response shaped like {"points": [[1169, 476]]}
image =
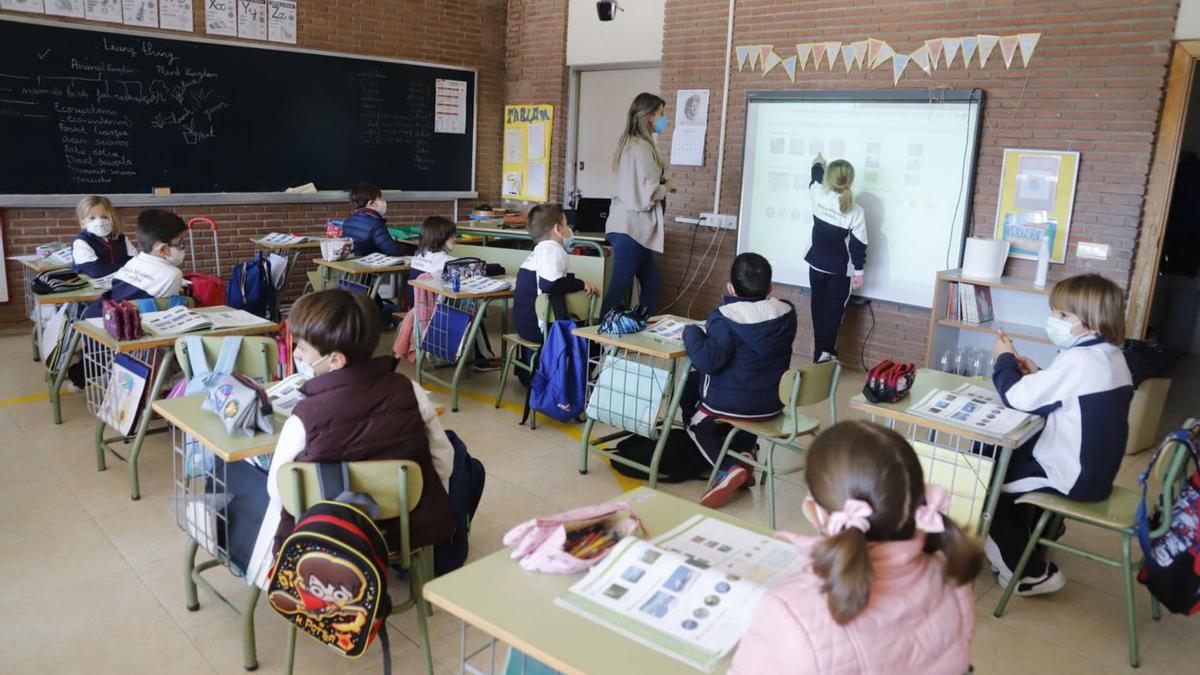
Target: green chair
{"points": [[800, 388], [1116, 514], [579, 303], [395, 485], [258, 359]]}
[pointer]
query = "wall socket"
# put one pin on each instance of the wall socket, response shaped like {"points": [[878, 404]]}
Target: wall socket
{"points": [[1091, 250], [718, 220]]}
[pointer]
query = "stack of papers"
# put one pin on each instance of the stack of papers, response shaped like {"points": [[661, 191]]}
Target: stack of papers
{"points": [[102, 283], [971, 407], [180, 320], [381, 260], [668, 329], [281, 239], [481, 284]]}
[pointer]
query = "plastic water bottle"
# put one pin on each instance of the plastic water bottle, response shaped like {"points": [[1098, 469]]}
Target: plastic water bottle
{"points": [[1043, 259]]}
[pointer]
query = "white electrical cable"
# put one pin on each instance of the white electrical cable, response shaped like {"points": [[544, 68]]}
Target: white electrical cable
{"points": [[724, 109]]}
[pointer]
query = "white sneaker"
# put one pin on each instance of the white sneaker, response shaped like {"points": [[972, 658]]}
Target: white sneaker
{"points": [[1050, 581], [998, 565]]}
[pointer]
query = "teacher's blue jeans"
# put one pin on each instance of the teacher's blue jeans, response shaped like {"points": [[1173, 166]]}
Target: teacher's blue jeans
{"points": [[630, 260]]}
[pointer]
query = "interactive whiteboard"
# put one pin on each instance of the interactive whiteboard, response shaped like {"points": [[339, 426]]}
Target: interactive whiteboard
{"points": [[914, 155]]}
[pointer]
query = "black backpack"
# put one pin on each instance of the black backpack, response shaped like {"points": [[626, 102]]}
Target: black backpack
{"points": [[466, 490], [57, 281]]}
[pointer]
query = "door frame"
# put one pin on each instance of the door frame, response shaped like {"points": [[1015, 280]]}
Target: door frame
{"points": [[1160, 186], [573, 115]]}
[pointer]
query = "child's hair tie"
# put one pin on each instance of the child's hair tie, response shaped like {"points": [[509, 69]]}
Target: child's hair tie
{"points": [[928, 516], [855, 514]]}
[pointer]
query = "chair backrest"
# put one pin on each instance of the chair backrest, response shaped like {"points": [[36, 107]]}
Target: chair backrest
{"points": [[579, 303], [387, 481], [811, 385], [258, 358], [1169, 472]]}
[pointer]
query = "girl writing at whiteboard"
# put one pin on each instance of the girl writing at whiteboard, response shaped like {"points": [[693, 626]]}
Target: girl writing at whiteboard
{"points": [[838, 251]]}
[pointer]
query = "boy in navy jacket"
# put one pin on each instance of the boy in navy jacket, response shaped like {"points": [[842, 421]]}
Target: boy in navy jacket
{"points": [[544, 269], [739, 357], [100, 248], [367, 225]]}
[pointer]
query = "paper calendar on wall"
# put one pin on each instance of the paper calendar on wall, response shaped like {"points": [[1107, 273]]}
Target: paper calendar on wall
{"points": [[527, 130]]}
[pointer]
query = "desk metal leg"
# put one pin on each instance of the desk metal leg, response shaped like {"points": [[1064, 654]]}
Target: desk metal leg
{"points": [[586, 447], [989, 509], [60, 373], [469, 343], [464, 665], [417, 344], [669, 418], [164, 364]]}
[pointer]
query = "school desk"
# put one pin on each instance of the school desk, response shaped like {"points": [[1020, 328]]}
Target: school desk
{"points": [[194, 492], [491, 229], [960, 439], [29, 270], [55, 376], [507, 603], [356, 272], [99, 348], [631, 361], [290, 251], [458, 300]]}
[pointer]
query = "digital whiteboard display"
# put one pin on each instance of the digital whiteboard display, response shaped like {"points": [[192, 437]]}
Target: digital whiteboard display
{"points": [[913, 157]]}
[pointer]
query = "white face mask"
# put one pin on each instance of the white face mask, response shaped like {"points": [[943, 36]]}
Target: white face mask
{"points": [[101, 227], [449, 245], [1059, 331], [380, 207], [175, 255], [308, 370]]}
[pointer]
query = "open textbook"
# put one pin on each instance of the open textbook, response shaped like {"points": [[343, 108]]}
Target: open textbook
{"points": [[180, 320], [285, 394], [282, 239], [381, 260], [690, 594], [973, 407], [670, 330]]}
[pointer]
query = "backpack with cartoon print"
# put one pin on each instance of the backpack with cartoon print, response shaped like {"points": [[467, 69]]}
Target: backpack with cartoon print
{"points": [[330, 577]]}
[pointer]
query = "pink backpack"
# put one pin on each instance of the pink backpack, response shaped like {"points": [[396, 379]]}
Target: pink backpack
{"points": [[541, 543]]}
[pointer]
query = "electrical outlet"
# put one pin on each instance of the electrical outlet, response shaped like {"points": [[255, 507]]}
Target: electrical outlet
{"points": [[718, 220], [1092, 250]]}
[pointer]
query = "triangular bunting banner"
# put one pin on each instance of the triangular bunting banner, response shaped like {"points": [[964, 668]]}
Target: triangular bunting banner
{"points": [[899, 63], [763, 52], [986, 44], [873, 47], [802, 52], [950, 47], [771, 61], [921, 58], [848, 57], [935, 51], [831, 52], [789, 67], [885, 52], [818, 55], [968, 49], [860, 52], [1027, 41], [742, 54], [754, 52], [1008, 47]]}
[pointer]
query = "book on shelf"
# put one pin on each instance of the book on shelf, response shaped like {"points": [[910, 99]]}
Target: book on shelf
{"points": [[972, 407], [180, 320], [970, 303]]}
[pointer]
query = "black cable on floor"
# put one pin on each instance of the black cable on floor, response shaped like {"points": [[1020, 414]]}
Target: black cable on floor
{"points": [[863, 355]]}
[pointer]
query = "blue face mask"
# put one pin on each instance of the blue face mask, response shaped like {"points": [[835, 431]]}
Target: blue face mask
{"points": [[660, 124]]}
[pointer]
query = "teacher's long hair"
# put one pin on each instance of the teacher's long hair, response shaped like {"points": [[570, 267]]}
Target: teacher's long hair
{"points": [[639, 125]]}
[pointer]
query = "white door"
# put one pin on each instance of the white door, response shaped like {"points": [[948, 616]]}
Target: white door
{"points": [[604, 98]]}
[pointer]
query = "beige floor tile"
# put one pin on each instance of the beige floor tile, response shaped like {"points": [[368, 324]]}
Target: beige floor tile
{"points": [[66, 555]]}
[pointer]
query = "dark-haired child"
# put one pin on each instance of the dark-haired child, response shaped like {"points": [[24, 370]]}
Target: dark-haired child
{"points": [[544, 269], [367, 225]]}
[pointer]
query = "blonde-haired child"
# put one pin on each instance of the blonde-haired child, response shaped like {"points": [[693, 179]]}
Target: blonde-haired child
{"points": [[100, 248], [1084, 396], [887, 584], [838, 251]]}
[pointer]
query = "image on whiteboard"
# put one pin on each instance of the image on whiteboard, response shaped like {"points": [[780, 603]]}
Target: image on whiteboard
{"points": [[837, 149], [796, 147], [777, 145], [1037, 182]]}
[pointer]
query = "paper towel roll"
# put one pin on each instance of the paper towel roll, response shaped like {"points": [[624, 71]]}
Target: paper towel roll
{"points": [[984, 258]]}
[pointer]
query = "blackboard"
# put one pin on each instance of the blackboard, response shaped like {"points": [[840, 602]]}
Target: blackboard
{"points": [[85, 110]]}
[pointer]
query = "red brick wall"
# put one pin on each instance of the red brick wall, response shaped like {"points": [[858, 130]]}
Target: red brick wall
{"points": [[456, 32], [1094, 86]]}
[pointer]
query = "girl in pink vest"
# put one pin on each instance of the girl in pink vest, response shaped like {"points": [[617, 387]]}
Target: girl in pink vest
{"points": [[887, 585]]}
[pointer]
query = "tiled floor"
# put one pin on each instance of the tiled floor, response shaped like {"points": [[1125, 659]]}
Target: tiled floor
{"points": [[93, 582]]}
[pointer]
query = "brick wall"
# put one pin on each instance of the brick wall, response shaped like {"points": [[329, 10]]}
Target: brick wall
{"points": [[456, 32], [1094, 86]]}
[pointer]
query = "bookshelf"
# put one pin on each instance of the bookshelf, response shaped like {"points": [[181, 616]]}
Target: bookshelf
{"points": [[1020, 310]]}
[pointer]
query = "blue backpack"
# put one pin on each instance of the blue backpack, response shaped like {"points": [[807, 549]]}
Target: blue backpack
{"points": [[252, 289], [559, 383]]}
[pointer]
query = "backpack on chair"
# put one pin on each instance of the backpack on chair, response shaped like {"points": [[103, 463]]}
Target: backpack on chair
{"points": [[251, 288], [559, 382]]}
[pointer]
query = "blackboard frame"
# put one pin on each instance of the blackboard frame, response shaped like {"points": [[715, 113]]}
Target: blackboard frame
{"points": [[146, 199]]}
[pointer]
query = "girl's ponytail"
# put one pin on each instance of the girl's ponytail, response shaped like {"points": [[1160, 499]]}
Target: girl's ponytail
{"points": [[964, 556], [839, 176], [844, 565], [845, 200]]}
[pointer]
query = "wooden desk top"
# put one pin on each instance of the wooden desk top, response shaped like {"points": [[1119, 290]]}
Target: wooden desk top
{"points": [[641, 342], [313, 242], [41, 265], [85, 294], [927, 380], [442, 288], [354, 267], [90, 330]]}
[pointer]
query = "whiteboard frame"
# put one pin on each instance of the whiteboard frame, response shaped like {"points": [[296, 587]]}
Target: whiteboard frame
{"points": [[146, 199], [928, 95]]}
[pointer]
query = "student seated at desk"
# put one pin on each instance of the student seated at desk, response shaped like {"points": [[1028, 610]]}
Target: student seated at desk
{"points": [[742, 352], [367, 225], [356, 408], [100, 248], [887, 584], [1084, 396], [544, 269]]}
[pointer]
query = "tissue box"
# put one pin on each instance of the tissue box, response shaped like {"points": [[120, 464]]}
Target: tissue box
{"points": [[337, 249]]}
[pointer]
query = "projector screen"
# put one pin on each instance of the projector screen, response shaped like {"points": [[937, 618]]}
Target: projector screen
{"points": [[914, 159]]}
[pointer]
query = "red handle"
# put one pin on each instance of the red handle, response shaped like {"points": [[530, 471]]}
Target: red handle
{"points": [[202, 219]]}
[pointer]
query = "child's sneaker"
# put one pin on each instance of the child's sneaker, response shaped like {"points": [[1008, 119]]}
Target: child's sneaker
{"points": [[1050, 581], [487, 365], [727, 483], [997, 561]]}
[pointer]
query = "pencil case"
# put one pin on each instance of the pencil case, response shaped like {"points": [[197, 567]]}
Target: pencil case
{"points": [[541, 544]]}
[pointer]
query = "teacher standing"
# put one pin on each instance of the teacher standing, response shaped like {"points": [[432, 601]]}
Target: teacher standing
{"points": [[635, 219]]}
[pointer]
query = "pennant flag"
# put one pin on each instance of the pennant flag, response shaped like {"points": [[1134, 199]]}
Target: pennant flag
{"points": [[968, 49], [1008, 47], [818, 53], [848, 57], [951, 46], [802, 52], [921, 58], [885, 52], [754, 52], [742, 54], [831, 52], [986, 44], [764, 51], [935, 51], [860, 52], [1027, 41], [899, 63], [789, 66], [873, 47], [771, 61]]}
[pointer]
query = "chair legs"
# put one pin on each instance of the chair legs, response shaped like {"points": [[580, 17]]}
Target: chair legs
{"points": [[422, 564], [1131, 618], [770, 480], [1034, 540], [712, 477], [504, 370]]}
